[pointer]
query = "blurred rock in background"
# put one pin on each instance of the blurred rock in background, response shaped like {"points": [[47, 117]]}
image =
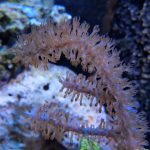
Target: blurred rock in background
{"points": [[131, 30]]}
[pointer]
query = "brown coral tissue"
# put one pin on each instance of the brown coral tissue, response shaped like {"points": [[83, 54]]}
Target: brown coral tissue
{"points": [[97, 56]]}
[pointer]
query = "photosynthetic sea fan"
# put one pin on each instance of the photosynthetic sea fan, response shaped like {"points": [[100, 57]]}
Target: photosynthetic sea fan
{"points": [[97, 56]]}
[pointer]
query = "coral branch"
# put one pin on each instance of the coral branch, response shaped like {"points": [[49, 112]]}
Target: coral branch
{"points": [[55, 115]]}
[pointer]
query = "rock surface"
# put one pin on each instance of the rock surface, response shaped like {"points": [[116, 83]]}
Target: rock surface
{"points": [[31, 89]]}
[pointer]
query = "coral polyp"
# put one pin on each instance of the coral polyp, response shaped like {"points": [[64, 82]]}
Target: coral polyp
{"points": [[97, 57]]}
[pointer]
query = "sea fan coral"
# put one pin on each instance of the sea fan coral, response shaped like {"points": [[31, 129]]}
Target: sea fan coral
{"points": [[100, 60]]}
